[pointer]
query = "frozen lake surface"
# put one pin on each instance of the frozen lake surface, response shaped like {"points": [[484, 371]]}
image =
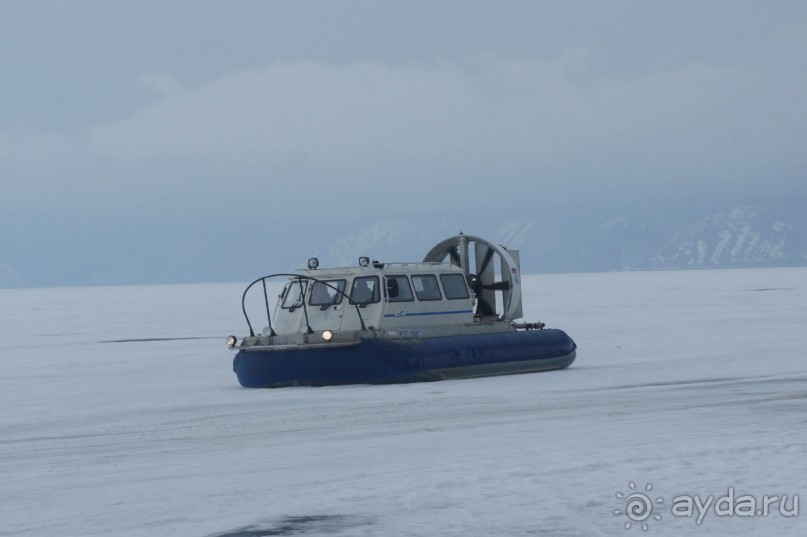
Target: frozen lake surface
{"points": [[692, 382]]}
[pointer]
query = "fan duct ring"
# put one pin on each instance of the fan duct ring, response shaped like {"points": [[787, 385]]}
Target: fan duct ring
{"points": [[497, 295]]}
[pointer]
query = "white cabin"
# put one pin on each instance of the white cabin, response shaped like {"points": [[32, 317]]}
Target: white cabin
{"points": [[402, 300]]}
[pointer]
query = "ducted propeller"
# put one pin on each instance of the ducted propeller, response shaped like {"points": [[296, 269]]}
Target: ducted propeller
{"points": [[492, 280]]}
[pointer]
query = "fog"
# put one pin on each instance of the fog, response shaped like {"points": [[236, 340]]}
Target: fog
{"points": [[154, 129]]}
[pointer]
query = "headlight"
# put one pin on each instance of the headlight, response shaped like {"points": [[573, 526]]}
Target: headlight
{"points": [[313, 263], [327, 335], [231, 341]]}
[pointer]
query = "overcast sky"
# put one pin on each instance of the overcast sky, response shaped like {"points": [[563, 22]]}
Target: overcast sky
{"points": [[246, 116]]}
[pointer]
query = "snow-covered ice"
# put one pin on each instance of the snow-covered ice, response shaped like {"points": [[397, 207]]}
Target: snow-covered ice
{"points": [[692, 381]]}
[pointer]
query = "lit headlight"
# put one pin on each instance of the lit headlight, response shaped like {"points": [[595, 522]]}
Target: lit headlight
{"points": [[327, 335], [231, 341]]}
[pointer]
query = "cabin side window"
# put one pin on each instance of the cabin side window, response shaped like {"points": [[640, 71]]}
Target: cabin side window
{"points": [[426, 287], [294, 294], [454, 286], [325, 293], [365, 290], [398, 289]]}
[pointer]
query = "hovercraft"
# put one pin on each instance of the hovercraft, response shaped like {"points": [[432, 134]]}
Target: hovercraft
{"points": [[451, 316]]}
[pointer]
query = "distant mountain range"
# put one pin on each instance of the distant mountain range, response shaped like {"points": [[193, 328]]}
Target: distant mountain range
{"points": [[740, 236], [737, 236], [675, 235]]}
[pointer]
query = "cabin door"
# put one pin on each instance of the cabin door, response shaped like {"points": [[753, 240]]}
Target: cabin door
{"points": [[326, 304], [365, 303]]}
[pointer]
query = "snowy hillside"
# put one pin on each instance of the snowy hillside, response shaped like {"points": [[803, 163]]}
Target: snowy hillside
{"points": [[390, 240], [559, 237], [742, 236], [737, 236]]}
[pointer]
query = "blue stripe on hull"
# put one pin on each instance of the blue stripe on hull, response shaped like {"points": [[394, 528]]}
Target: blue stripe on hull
{"points": [[422, 313], [383, 361]]}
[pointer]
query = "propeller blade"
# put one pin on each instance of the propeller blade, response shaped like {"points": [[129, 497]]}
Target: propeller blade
{"points": [[498, 286], [454, 254], [483, 308], [485, 260], [486, 298]]}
